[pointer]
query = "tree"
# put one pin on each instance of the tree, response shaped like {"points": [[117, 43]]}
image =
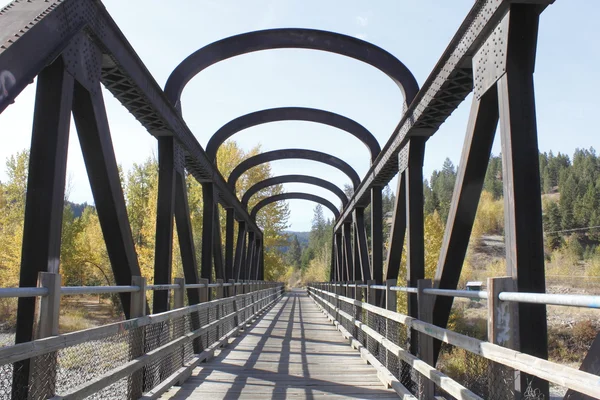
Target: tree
{"points": [[552, 224], [294, 253]]}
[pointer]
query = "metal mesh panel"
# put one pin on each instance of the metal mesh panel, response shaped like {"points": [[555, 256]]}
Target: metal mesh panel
{"points": [[73, 367]]}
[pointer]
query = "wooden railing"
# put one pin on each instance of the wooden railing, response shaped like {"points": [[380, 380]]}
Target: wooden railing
{"points": [[137, 358], [400, 347]]}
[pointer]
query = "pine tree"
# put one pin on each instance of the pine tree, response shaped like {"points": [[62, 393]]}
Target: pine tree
{"points": [[294, 253]]}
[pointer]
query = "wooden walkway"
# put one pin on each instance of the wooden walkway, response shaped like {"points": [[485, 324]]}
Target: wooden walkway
{"points": [[292, 352]]}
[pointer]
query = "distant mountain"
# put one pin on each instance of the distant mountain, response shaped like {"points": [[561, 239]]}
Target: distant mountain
{"points": [[78, 208], [302, 237]]}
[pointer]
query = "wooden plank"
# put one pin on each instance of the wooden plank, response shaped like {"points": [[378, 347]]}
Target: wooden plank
{"points": [[291, 353]]}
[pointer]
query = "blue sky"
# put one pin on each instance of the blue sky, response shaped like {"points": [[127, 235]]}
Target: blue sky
{"points": [[416, 32]]}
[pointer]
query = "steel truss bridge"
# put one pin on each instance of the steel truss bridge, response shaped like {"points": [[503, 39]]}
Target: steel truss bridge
{"points": [[264, 342]]}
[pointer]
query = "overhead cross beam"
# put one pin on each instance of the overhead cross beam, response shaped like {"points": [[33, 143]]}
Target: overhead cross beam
{"points": [[277, 180], [294, 195], [292, 114], [284, 154], [292, 38]]}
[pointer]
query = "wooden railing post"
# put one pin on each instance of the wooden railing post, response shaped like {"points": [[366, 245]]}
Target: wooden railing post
{"points": [[371, 299], [179, 293], [219, 308], [233, 293], [502, 329], [425, 313], [44, 369], [203, 339], [357, 310], [137, 308], [390, 304]]}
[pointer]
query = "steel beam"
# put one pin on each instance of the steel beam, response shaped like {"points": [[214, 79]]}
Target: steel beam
{"points": [[415, 256], [292, 114], [208, 230], [293, 195], [398, 231], [239, 249], [523, 231], [91, 121], [285, 154], [348, 267], [362, 246], [293, 38], [311, 180], [163, 250], [465, 199], [229, 228], [220, 272], [186, 238], [377, 238], [44, 200]]}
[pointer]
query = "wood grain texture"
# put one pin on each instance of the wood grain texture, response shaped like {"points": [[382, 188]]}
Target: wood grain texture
{"points": [[293, 352]]}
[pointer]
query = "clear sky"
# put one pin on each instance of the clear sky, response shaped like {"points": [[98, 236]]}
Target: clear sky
{"points": [[164, 33]]}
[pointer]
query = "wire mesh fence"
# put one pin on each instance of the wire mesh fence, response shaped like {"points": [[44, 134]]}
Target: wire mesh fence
{"points": [[170, 342], [471, 370]]}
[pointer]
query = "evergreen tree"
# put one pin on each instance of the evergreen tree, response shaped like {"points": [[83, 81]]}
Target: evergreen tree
{"points": [[294, 253]]}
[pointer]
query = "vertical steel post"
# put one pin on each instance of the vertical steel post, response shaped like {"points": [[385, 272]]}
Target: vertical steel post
{"points": [[44, 200], [208, 220], [163, 249], [229, 222], [521, 181]]}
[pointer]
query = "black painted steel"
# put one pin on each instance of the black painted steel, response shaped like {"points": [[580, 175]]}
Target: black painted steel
{"points": [[294, 195], [44, 202], [292, 114], [294, 38], [311, 180], [293, 153], [163, 249]]}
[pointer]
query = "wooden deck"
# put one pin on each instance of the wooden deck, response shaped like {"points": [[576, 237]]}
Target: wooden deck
{"points": [[292, 352]]}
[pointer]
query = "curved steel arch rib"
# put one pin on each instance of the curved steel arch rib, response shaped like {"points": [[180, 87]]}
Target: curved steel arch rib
{"points": [[292, 114], [311, 180], [294, 195], [293, 153], [294, 38]]}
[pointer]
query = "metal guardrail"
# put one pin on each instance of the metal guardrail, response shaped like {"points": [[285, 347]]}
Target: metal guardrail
{"points": [[76, 290], [374, 328], [568, 300]]}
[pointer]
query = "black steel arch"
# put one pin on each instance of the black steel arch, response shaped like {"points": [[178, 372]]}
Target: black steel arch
{"points": [[292, 114], [294, 195], [293, 153], [311, 180], [295, 38]]}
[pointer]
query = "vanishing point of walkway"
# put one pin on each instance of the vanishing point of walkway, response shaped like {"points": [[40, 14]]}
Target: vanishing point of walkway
{"points": [[292, 352]]}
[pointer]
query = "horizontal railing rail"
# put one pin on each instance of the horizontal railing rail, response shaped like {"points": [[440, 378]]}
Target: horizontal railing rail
{"points": [[75, 290], [137, 358], [568, 300], [378, 332]]}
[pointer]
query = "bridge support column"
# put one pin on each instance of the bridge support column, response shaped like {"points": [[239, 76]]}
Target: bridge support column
{"points": [[229, 222], [415, 260], [348, 270], [239, 250], [44, 202], [377, 240], [163, 249], [362, 246], [521, 181], [208, 228]]}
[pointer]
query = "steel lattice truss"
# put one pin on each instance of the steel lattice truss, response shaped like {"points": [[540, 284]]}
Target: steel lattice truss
{"points": [[74, 46]]}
